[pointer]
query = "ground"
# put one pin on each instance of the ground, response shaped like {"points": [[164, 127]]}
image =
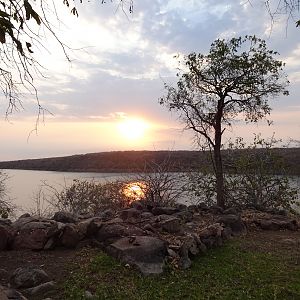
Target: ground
{"points": [[260, 265]]}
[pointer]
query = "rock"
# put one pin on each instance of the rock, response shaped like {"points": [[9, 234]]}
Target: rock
{"points": [[146, 253], [42, 289], [184, 215], [201, 246], [203, 206], [106, 214], [216, 210], [131, 214], [5, 235], [89, 227], [181, 206], [65, 217], [10, 294], [110, 232], [146, 215], [70, 237], [184, 261], [18, 224], [27, 215], [234, 222], [171, 225], [30, 239], [37, 225], [193, 208], [28, 277], [227, 233], [139, 205], [93, 226], [212, 230], [230, 211], [150, 228], [172, 253], [274, 222], [164, 210], [5, 222], [50, 244], [211, 235]]}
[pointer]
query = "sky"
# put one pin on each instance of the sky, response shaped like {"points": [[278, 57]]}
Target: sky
{"points": [[106, 98]]}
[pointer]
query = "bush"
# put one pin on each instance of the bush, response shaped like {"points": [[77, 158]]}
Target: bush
{"points": [[160, 186], [6, 207], [84, 196], [255, 177]]}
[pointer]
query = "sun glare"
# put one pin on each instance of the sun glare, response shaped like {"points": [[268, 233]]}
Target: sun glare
{"points": [[135, 190], [132, 129]]}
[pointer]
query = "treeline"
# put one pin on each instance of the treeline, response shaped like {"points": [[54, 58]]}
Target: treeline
{"points": [[138, 161]]}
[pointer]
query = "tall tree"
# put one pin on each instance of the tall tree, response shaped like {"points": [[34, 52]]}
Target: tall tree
{"points": [[237, 77]]}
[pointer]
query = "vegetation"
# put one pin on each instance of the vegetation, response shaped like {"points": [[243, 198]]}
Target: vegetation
{"points": [[83, 196], [159, 185], [6, 207], [134, 161], [21, 24], [237, 77], [229, 272], [250, 179]]}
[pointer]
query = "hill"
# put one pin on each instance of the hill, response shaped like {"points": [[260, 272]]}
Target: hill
{"points": [[135, 161]]}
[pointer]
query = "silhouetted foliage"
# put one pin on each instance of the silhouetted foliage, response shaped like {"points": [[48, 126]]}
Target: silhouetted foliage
{"points": [[237, 77], [21, 24]]}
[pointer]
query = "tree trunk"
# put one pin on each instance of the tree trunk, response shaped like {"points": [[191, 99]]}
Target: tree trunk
{"points": [[218, 157]]}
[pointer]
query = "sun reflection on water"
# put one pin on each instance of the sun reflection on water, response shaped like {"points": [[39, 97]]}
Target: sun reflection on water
{"points": [[135, 191]]}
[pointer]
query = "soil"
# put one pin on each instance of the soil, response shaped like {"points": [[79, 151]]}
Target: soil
{"points": [[60, 263]]}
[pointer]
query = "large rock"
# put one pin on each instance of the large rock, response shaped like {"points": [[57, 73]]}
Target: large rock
{"points": [[89, 227], [146, 253], [5, 222], [70, 236], [42, 289], [277, 223], [23, 220], [164, 210], [65, 217], [30, 239], [5, 236], [211, 235], [234, 222], [111, 232], [130, 214], [23, 278], [10, 294], [171, 225]]}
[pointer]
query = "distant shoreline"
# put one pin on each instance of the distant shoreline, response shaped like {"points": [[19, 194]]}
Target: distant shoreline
{"points": [[136, 161]]}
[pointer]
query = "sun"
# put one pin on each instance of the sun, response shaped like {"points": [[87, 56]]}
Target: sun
{"points": [[132, 129]]}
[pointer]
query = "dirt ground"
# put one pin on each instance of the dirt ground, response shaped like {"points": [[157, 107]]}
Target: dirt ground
{"points": [[59, 263]]}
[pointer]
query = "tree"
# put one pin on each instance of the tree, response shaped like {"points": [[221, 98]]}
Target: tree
{"points": [[21, 23], [287, 8], [237, 77]]}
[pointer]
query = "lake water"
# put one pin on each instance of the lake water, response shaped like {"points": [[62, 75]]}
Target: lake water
{"points": [[23, 185]]}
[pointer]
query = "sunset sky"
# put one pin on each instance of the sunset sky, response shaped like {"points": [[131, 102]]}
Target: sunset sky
{"points": [[107, 98]]}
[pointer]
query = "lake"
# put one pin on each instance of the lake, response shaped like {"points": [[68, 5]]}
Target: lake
{"points": [[23, 185]]}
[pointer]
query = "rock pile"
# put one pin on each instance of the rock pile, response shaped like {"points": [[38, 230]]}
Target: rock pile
{"points": [[140, 236]]}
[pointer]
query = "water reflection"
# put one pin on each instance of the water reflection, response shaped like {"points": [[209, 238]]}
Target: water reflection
{"points": [[135, 190]]}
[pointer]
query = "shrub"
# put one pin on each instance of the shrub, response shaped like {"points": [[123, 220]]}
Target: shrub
{"points": [[255, 177], [159, 185], [84, 196], [6, 207]]}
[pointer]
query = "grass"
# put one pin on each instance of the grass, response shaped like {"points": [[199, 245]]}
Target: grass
{"points": [[229, 272]]}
